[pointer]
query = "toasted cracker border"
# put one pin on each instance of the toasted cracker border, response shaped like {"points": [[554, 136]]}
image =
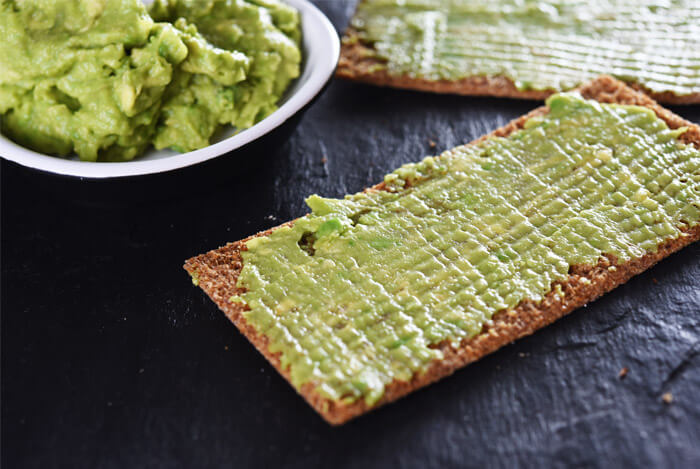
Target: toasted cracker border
{"points": [[218, 271], [358, 62]]}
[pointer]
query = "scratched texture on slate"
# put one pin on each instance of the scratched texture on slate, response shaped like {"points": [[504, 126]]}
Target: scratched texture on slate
{"points": [[110, 358]]}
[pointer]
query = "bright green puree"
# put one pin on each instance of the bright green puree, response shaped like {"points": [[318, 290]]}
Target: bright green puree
{"points": [[355, 294], [539, 44], [102, 79]]}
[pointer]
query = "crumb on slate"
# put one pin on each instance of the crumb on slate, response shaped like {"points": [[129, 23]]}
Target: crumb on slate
{"points": [[324, 160], [623, 372], [667, 398], [654, 280]]}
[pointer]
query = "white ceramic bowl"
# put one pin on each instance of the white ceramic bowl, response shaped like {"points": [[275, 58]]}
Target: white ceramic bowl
{"points": [[320, 48]]}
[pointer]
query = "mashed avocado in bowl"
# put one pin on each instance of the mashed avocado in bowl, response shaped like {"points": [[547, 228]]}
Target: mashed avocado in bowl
{"points": [[107, 79]]}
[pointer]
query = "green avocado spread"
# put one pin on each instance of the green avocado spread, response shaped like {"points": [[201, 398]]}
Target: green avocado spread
{"points": [[360, 291], [538, 44], [104, 79]]}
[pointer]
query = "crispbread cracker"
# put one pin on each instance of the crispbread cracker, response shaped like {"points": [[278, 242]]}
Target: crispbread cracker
{"points": [[217, 272], [359, 63]]}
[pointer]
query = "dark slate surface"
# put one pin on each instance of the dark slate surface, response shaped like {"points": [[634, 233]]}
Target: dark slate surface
{"points": [[110, 358]]}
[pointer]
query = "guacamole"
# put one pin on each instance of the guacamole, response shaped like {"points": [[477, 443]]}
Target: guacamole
{"points": [[538, 44], [359, 292], [104, 80]]}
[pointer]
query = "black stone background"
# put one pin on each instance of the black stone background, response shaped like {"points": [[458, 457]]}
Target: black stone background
{"points": [[111, 358]]}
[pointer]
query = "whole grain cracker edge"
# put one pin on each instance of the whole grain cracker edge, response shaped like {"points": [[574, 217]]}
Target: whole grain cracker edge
{"points": [[358, 63], [218, 270]]}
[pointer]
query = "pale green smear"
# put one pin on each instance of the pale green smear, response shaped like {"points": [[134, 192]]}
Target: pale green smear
{"points": [[539, 44], [354, 294]]}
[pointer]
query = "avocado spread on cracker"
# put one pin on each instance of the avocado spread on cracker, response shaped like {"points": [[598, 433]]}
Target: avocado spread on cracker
{"points": [[361, 291], [537, 44], [104, 79]]}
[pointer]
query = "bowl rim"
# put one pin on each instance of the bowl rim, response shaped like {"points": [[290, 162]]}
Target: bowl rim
{"points": [[321, 46]]}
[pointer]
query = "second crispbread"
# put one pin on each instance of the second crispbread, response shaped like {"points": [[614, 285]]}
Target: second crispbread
{"points": [[525, 49], [218, 272]]}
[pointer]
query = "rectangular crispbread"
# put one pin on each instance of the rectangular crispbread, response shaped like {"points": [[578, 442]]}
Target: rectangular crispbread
{"points": [[358, 62], [218, 270]]}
